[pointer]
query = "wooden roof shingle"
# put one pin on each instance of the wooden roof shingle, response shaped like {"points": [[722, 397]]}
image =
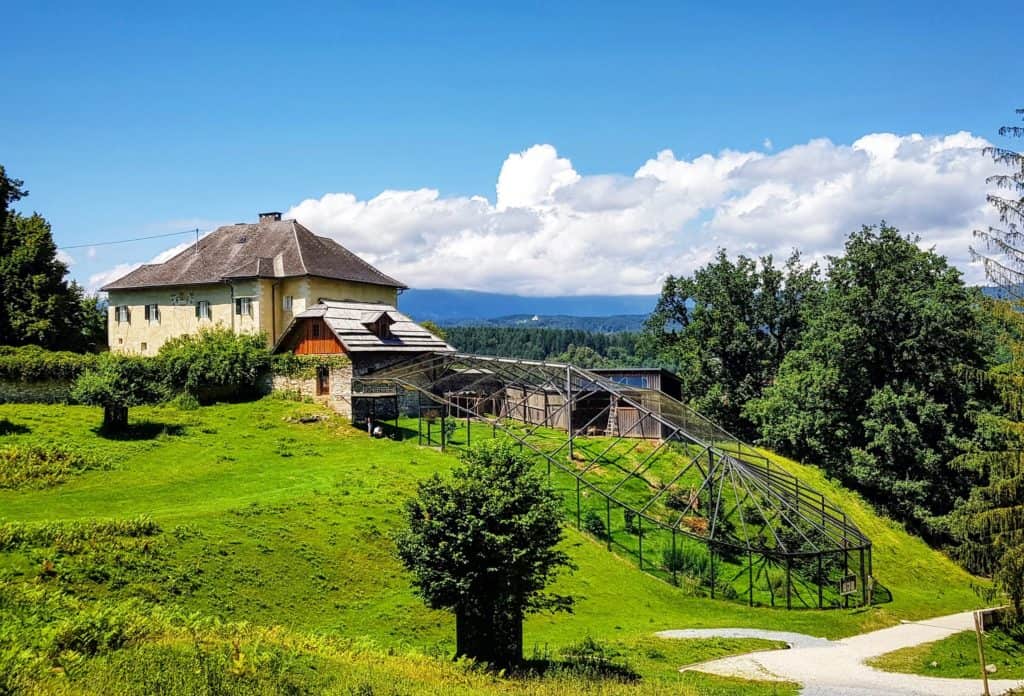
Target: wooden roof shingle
{"points": [[267, 249], [351, 321]]}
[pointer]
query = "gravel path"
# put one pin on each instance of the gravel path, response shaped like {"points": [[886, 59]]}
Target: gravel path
{"points": [[836, 668]]}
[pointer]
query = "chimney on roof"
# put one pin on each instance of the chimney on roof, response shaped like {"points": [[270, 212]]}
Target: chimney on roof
{"points": [[270, 217]]}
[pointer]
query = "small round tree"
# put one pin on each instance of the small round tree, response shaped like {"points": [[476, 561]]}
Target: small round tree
{"points": [[482, 544], [116, 383]]}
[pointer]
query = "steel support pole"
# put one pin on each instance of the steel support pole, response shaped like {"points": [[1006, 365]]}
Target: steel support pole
{"points": [[640, 538], [568, 407], [789, 580], [579, 524], [821, 581], [609, 520], [863, 580], [711, 551], [750, 576], [675, 560]]}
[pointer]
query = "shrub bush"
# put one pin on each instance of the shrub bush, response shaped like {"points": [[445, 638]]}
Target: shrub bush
{"points": [[631, 522], [215, 363], [593, 524], [35, 364], [689, 558]]}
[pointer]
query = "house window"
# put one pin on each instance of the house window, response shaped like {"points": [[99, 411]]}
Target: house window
{"points": [[153, 313], [202, 309], [145, 346], [316, 330], [121, 314], [243, 306], [287, 303]]}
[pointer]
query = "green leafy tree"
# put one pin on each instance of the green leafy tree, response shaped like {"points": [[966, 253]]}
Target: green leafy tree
{"points": [[990, 526], [37, 305], [118, 382], [483, 545], [727, 328], [873, 393]]}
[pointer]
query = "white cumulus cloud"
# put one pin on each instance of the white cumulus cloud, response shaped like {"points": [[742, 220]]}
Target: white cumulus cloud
{"points": [[552, 230], [555, 231]]}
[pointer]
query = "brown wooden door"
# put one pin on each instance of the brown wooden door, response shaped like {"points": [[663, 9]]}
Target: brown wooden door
{"points": [[323, 380]]}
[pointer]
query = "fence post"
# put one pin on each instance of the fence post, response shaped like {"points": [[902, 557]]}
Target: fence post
{"points": [[568, 407], [711, 551], [863, 579], [579, 524], [789, 580], [821, 581], [640, 538], [750, 576], [609, 502], [675, 560]]}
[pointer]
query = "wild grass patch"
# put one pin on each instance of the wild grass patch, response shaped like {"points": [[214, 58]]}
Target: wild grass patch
{"points": [[43, 466]]}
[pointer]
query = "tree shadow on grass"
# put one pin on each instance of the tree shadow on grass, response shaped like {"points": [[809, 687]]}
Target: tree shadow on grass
{"points": [[9, 428], [143, 430], [587, 660]]}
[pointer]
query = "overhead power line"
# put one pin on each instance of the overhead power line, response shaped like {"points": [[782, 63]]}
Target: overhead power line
{"points": [[194, 231]]}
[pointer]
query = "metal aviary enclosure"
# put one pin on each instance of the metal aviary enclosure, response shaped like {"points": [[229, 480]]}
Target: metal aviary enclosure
{"points": [[691, 503]]}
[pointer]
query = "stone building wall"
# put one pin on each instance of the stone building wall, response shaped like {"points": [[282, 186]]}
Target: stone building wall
{"points": [[340, 381]]}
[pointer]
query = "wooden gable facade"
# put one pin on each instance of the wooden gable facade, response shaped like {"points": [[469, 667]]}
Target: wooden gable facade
{"points": [[314, 337]]}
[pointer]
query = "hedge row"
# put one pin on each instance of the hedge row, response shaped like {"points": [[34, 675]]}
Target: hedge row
{"points": [[35, 364], [215, 364]]}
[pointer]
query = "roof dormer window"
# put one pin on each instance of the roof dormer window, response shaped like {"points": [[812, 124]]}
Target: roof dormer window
{"points": [[379, 324]]}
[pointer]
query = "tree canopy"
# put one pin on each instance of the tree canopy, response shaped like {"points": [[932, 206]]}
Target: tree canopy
{"points": [[727, 327], [37, 304], [118, 382], [483, 544], [874, 392], [990, 526]]}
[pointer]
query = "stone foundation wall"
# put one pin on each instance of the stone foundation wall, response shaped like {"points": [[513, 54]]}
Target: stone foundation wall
{"points": [[340, 381], [41, 392]]}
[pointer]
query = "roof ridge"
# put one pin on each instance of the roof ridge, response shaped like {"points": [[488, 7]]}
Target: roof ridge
{"points": [[298, 245]]}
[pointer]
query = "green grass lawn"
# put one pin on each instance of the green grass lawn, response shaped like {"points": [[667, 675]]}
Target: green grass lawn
{"points": [[279, 523], [957, 656]]}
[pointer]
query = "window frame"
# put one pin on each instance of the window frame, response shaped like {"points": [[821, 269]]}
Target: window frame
{"points": [[153, 313], [204, 311], [245, 302]]}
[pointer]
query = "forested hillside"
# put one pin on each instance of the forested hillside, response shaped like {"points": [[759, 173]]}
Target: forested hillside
{"points": [[582, 348]]}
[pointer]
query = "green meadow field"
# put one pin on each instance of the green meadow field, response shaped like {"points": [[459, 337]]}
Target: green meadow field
{"points": [[233, 549]]}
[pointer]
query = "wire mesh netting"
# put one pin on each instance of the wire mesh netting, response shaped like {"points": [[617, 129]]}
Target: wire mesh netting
{"points": [[646, 475]]}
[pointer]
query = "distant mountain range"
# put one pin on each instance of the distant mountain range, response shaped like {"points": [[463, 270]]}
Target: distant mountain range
{"points": [[610, 324], [602, 313], [468, 307]]}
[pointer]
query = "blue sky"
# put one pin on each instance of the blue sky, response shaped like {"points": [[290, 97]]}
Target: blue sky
{"points": [[129, 120]]}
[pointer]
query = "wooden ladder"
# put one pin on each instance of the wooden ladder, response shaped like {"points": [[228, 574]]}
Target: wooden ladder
{"points": [[613, 418]]}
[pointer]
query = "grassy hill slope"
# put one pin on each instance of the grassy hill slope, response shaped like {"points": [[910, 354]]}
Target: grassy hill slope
{"points": [[274, 522]]}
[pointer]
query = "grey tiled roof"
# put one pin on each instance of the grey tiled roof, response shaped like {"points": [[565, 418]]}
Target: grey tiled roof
{"points": [[349, 322], [267, 249]]}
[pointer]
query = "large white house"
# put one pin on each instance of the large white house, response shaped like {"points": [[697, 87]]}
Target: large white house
{"points": [[251, 277]]}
